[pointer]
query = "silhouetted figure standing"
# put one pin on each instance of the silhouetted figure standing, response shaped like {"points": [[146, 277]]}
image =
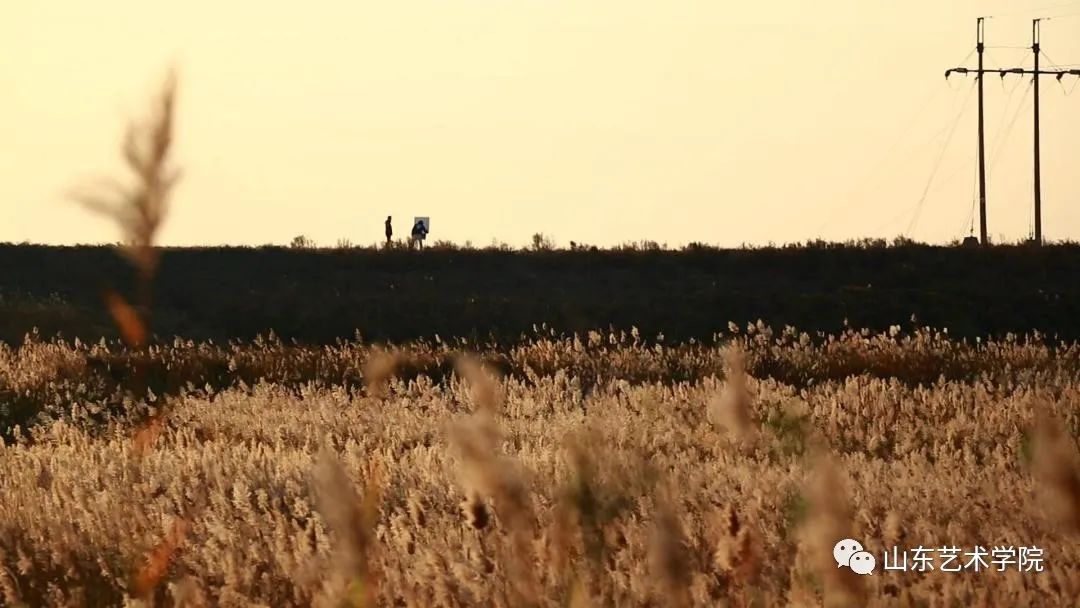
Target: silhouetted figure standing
{"points": [[389, 230], [419, 231]]}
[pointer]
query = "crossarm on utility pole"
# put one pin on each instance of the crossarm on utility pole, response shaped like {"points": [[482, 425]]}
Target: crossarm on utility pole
{"points": [[1013, 71]]}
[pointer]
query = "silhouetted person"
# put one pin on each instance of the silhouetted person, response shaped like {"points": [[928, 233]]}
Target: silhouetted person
{"points": [[419, 231], [389, 230]]}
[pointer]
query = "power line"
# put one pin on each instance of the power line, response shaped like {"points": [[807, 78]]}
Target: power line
{"points": [[1023, 63], [1052, 62], [1002, 136], [870, 186], [1068, 67], [970, 219], [937, 165]]}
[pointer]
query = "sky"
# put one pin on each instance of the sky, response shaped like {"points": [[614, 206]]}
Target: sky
{"points": [[597, 121]]}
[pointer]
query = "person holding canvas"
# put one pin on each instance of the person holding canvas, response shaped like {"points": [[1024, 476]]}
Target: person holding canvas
{"points": [[419, 232]]}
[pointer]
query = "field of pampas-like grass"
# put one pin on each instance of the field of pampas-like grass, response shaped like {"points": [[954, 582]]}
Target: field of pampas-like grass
{"points": [[580, 471]]}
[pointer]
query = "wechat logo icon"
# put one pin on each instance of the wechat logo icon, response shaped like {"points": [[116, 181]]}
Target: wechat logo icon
{"points": [[849, 553]]}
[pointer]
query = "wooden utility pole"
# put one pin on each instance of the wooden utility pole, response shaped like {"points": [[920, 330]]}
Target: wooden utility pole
{"points": [[980, 46], [1038, 171]]}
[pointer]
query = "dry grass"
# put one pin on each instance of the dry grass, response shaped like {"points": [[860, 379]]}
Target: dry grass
{"points": [[542, 487]]}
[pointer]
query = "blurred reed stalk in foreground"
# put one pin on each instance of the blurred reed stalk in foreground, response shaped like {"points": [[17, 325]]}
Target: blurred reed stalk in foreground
{"points": [[139, 205], [352, 519], [1057, 468]]}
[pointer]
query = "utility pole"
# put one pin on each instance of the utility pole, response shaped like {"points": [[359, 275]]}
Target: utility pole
{"points": [[980, 46], [1038, 171]]}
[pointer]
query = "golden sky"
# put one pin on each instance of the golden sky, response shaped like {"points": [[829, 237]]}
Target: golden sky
{"points": [[599, 121]]}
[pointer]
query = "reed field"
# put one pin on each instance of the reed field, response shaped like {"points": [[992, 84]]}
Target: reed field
{"points": [[600, 470], [588, 469]]}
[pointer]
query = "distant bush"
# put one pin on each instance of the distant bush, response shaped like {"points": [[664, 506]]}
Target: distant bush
{"points": [[542, 242], [643, 245], [443, 245], [302, 242], [698, 247]]}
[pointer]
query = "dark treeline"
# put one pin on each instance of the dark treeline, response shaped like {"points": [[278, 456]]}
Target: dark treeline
{"points": [[317, 296]]}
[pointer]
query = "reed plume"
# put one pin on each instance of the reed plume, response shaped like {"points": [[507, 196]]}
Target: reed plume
{"points": [[352, 519], [732, 410], [139, 205], [1057, 468]]}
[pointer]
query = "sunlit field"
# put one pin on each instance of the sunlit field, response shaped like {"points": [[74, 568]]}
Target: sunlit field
{"points": [[756, 466], [599, 470]]}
